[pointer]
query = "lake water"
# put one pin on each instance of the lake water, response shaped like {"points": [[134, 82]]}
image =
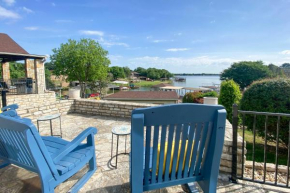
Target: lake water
{"points": [[191, 81]]}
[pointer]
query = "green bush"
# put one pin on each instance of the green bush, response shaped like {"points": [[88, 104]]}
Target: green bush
{"points": [[210, 94], [271, 95], [246, 72], [229, 94], [192, 97]]}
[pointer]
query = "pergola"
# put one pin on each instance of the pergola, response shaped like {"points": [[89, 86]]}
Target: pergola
{"points": [[10, 51]]}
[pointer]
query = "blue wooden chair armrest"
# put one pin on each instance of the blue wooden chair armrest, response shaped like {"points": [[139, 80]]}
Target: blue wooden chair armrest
{"points": [[88, 133], [12, 107]]}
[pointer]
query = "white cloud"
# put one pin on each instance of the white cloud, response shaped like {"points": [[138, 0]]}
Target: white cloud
{"points": [[27, 10], [176, 49], [148, 37], [63, 21], [53, 4], [32, 28], [159, 41], [285, 52], [111, 43], [7, 14], [178, 34], [213, 21], [89, 32], [9, 2]]}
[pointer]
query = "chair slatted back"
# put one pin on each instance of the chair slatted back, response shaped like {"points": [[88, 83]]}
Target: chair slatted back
{"points": [[21, 144], [176, 139]]}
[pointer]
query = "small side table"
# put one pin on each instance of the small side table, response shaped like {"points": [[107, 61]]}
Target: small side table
{"points": [[119, 131], [50, 118]]}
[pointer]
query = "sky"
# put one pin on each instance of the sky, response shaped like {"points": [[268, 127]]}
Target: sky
{"points": [[189, 36]]}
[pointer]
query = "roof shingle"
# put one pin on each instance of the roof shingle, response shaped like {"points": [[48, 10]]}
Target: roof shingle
{"points": [[7, 44]]}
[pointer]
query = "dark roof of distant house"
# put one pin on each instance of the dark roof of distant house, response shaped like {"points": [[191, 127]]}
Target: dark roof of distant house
{"points": [[161, 85], [144, 95], [7, 44]]}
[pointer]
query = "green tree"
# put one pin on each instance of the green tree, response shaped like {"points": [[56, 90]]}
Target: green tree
{"points": [[285, 65], [127, 71], [276, 71], [117, 72], [141, 71], [246, 72], [16, 70], [84, 61], [49, 66], [49, 83], [229, 94]]}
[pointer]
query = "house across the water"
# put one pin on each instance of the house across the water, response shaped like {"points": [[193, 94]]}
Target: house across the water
{"points": [[153, 97]]}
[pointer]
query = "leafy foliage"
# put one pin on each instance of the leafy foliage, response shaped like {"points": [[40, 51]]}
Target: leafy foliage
{"points": [[153, 73], [276, 71], [49, 83], [117, 72], [271, 95], [229, 94], [192, 97], [17, 70], [246, 72], [210, 94], [85, 61], [285, 65]]}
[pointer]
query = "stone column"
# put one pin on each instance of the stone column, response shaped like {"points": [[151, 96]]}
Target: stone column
{"points": [[5, 71], [40, 76], [29, 69]]}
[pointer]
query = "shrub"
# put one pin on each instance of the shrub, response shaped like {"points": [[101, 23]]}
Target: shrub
{"points": [[229, 95], [192, 97], [210, 94], [272, 95]]}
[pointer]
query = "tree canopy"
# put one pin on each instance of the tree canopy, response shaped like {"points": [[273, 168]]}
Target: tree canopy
{"points": [[285, 65], [153, 73], [85, 61], [246, 72]]}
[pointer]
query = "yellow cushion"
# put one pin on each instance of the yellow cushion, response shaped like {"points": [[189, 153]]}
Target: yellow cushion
{"points": [[172, 153]]}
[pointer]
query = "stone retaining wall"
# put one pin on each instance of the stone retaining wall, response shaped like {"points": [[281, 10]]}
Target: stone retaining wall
{"points": [[35, 105]]}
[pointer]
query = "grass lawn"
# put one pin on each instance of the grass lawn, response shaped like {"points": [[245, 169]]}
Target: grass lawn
{"points": [[150, 83], [259, 149]]}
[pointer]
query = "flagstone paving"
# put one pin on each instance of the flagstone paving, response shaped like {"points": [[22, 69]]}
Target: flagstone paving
{"points": [[106, 179]]}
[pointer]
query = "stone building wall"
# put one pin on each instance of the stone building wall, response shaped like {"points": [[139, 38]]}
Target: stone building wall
{"points": [[5, 71], [29, 69]]}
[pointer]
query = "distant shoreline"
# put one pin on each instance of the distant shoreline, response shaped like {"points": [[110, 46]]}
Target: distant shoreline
{"points": [[203, 74]]}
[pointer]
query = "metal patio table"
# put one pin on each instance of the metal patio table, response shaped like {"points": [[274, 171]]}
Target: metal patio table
{"points": [[50, 118], [123, 130]]}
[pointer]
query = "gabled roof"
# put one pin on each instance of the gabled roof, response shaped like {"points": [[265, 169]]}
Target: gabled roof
{"points": [[144, 95], [7, 44]]}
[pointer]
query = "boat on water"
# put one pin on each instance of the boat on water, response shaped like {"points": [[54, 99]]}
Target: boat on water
{"points": [[179, 79], [214, 86]]}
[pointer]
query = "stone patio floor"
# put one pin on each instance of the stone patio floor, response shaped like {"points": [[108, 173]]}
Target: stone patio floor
{"points": [[106, 179]]}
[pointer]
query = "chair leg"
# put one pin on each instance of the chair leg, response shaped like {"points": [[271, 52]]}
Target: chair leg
{"points": [[208, 186], [86, 177]]}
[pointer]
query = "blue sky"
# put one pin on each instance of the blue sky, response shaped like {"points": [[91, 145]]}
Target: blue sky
{"points": [[181, 36]]}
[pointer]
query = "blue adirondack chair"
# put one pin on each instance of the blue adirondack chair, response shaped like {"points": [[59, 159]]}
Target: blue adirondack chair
{"points": [[53, 159], [182, 144]]}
